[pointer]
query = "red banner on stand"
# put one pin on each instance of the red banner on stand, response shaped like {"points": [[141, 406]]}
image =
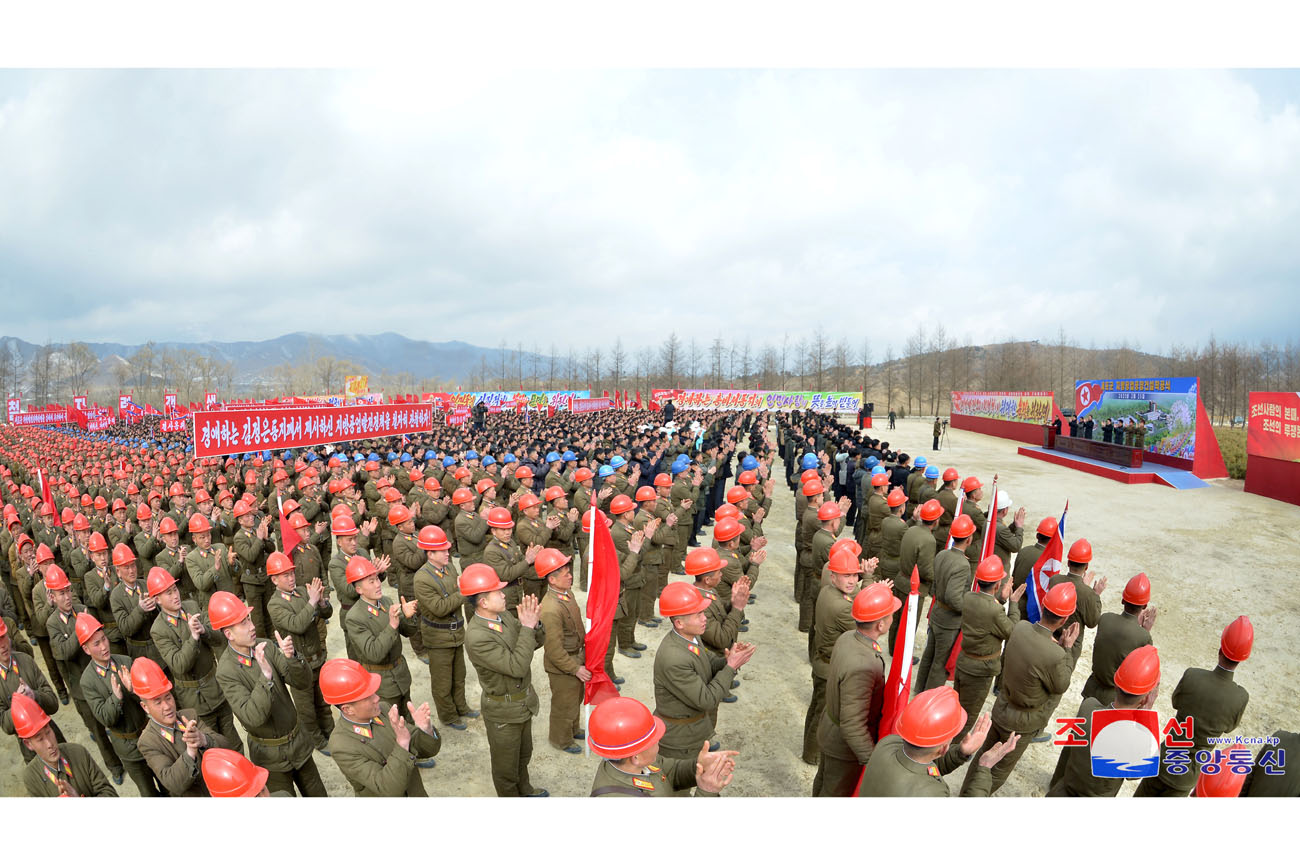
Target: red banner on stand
{"points": [[234, 431]]}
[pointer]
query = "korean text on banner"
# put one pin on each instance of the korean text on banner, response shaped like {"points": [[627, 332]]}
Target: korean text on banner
{"points": [[1026, 407], [1273, 425], [233, 431]]}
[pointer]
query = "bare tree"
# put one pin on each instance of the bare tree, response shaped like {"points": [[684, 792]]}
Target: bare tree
{"points": [[670, 359], [817, 351], [41, 372], [804, 361], [618, 357], [693, 361], [80, 365], [840, 354], [746, 363], [891, 372], [550, 369]]}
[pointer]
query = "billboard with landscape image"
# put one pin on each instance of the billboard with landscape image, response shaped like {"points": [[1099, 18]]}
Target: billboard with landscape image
{"points": [[1166, 407]]}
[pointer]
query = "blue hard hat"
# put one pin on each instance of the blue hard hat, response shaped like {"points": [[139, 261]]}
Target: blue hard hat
{"points": [[809, 461], [406, 458], [616, 461], [287, 455], [552, 456], [373, 456], [920, 462], [878, 470], [681, 464], [392, 455], [488, 460], [508, 458], [266, 455], [448, 461], [310, 457], [749, 463], [568, 455], [932, 471], [471, 454], [605, 471], [357, 458]]}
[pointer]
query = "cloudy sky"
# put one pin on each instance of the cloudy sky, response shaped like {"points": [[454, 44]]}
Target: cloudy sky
{"points": [[1147, 206]]}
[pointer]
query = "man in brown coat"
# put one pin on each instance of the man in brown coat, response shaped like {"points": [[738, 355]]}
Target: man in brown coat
{"points": [[563, 656], [442, 612], [1118, 634], [173, 741]]}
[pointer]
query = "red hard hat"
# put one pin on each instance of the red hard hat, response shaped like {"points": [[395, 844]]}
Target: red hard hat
{"points": [[28, 717], [524, 472], [727, 528], [1080, 551], [622, 727], [680, 598], [122, 555], [809, 475], [43, 553], [646, 494], [86, 500], [950, 474], [874, 602], [415, 475], [702, 560], [554, 492], [167, 525], [142, 512], [1224, 782], [277, 563], [47, 510], [896, 498], [931, 509], [343, 681], [96, 544], [749, 476], [372, 465], [1237, 639], [340, 510], [462, 495], [289, 506], [990, 569], [159, 581], [811, 488], [549, 560], [828, 511], [880, 479], [529, 500], [225, 609], [586, 520], [663, 480], [845, 561], [86, 627], [621, 504], [80, 523], [461, 473], [932, 718], [962, 527], [298, 521], [343, 525], [279, 475], [1139, 673], [148, 679], [229, 774], [1061, 599], [432, 484], [1137, 590], [199, 523], [477, 578], [392, 494], [398, 514], [335, 486], [737, 494], [582, 473], [359, 568], [101, 504], [727, 510], [971, 484], [241, 508], [178, 489], [55, 578], [499, 518], [846, 544], [432, 538], [1047, 527]]}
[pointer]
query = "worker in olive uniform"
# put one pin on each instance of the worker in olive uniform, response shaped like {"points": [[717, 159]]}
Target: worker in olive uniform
{"points": [[1088, 612], [254, 675], [133, 610], [252, 546], [913, 761], [952, 580], [500, 645], [1135, 684], [442, 611], [627, 736], [690, 680], [563, 651], [375, 630], [1118, 634], [209, 564], [1036, 672], [187, 646], [471, 529], [892, 530], [59, 769], [855, 681], [297, 612], [173, 741], [373, 747], [984, 627], [916, 551], [1215, 705], [407, 559], [20, 675], [512, 563], [833, 618]]}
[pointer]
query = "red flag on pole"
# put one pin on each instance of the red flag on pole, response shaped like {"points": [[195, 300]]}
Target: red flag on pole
{"points": [[986, 550], [288, 535], [48, 497], [602, 601], [638, 398], [898, 685]]}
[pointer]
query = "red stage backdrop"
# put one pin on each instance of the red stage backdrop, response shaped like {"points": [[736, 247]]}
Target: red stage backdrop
{"points": [[257, 428], [1273, 445], [1017, 415]]}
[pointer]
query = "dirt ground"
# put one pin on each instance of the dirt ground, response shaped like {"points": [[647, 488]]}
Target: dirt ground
{"points": [[1212, 554]]}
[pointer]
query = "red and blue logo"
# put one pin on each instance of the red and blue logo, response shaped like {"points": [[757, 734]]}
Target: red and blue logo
{"points": [[1125, 744]]}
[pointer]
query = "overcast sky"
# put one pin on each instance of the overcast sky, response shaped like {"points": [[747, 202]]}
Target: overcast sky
{"points": [[1148, 206]]}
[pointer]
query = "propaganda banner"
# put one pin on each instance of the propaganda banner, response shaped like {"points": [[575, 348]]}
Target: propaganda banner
{"points": [[503, 399], [172, 425], [771, 401], [579, 405], [122, 401], [1273, 425], [169, 404], [1167, 408], [210, 399], [94, 425], [234, 431], [355, 386], [14, 406], [27, 419], [79, 403], [458, 415], [1025, 407]]}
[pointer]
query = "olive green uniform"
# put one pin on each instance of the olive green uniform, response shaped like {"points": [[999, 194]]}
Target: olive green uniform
{"points": [[293, 616], [378, 647], [563, 652], [916, 550], [664, 779], [1215, 704], [209, 571], [952, 580], [252, 552], [1118, 634], [408, 558], [984, 626], [442, 626], [133, 621], [471, 537], [369, 757], [690, 681], [502, 654], [72, 662], [834, 619], [76, 767], [122, 717], [507, 559], [192, 664], [23, 669], [891, 773], [165, 751]]}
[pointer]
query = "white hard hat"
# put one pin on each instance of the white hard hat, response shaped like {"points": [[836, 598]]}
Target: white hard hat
{"points": [[1003, 501]]}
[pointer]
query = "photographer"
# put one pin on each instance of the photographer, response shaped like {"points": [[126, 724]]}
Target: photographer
{"points": [[938, 431]]}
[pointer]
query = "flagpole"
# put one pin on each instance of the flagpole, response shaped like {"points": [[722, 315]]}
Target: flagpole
{"points": [[591, 558]]}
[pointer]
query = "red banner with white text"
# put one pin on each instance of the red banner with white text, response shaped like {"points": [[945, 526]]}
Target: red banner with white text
{"points": [[233, 431]]}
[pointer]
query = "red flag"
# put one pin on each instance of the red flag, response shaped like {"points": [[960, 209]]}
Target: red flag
{"points": [[986, 550], [288, 535], [602, 601], [898, 685], [48, 498], [638, 398]]}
